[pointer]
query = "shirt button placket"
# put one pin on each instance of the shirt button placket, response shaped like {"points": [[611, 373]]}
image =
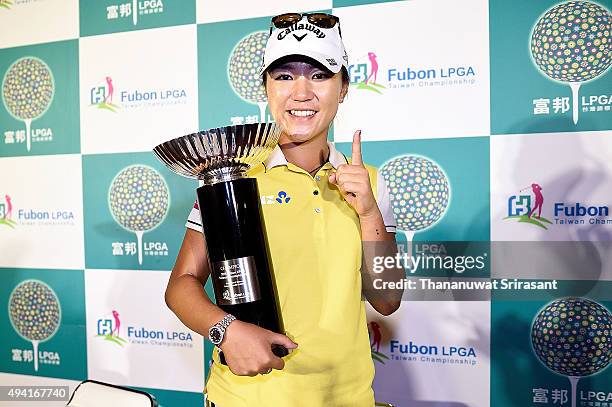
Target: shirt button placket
{"points": [[315, 192], [319, 223]]}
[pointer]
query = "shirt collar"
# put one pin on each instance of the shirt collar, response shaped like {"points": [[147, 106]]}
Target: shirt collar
{"points": [[277, 158]]}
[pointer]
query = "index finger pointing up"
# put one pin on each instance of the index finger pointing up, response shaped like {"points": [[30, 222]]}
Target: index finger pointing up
{"points": [[357, 148]]}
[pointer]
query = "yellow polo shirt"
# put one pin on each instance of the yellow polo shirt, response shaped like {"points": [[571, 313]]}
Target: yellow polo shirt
{"points": [[315, 244]]}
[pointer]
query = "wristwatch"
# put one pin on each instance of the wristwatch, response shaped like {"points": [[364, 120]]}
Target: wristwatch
{"points": [[217, 331]]}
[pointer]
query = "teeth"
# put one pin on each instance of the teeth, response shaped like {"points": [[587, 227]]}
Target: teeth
{"points": [[302, 112]]}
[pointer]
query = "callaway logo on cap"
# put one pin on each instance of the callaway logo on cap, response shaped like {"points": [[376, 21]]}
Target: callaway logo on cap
{"points": [[315, 35]]}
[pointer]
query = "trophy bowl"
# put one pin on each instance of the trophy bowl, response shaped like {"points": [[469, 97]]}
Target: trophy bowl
{"points": [[232, 221], [219, 154]]}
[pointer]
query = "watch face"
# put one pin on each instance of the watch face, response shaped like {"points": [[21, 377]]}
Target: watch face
{"points": [[215, 335]]}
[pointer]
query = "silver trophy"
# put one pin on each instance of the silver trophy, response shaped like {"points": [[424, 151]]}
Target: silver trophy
{"points": [[229, 203]]}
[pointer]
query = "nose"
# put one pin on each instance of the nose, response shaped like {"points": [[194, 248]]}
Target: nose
{"points": [[302, 90]]}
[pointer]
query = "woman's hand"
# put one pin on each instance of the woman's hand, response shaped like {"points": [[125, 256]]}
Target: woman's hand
{"points": [[248, 349], [353, 182]]}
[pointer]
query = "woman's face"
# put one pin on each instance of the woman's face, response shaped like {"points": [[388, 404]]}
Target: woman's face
{"points": [[304, 99]]}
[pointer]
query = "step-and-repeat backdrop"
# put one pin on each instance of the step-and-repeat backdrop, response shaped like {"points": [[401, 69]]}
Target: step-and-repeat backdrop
{"points": [[489, 120]]}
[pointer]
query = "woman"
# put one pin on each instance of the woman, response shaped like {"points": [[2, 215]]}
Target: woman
{"points": [[324, 210]]}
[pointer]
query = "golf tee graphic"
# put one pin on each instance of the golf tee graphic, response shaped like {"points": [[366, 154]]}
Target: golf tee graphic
{"points": [[35, 313], [139, 199], [573, 337], [243, 70], [27, 91], [570, 44], [419, 191]]}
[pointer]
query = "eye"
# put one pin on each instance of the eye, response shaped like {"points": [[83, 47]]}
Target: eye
{"points": [[321, 75], [282, 77]]}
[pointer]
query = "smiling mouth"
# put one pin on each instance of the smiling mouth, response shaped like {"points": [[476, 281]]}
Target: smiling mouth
{"points": [[302, 113]]}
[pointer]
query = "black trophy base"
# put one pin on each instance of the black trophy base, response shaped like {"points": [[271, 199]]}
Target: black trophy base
{"points": [[236, 240]]}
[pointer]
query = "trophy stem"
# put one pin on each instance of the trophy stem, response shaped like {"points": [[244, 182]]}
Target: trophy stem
{"points": [[215, 178]]}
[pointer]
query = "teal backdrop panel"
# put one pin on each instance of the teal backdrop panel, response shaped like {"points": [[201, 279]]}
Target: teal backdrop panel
{"points": [[40, 90], [452, 222], [57, 323], [109, 16], [518, 377], [465, 161], [135, 210], [531, 92], [132, 194]]}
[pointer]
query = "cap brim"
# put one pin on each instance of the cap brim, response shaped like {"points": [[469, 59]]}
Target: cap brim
{"points": [[320, 58]]}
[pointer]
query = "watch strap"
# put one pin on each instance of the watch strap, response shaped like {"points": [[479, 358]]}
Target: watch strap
{"points": [[224, 323], [221, 326]]}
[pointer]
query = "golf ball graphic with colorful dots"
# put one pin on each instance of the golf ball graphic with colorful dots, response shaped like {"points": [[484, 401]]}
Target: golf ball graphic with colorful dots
{"points": [[35, 313], [571, 43], [27, 91], [243, 70], [419, 192], [139, 200], [573, 337]]}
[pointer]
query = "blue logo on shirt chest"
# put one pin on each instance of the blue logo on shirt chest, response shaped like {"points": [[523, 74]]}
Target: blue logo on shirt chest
{"points": [[281, 198]]}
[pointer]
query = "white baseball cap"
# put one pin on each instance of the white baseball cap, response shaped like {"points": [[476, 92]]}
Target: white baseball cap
{"points": [[324, 45]]}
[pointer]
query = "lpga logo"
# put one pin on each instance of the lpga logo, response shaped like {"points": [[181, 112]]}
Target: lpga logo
{"points": [[28, 89], [102, 96], [139, 200], [33, 217], [570, 45], [108, 328], [528, 209], [134, 9], [524, 207], [35, 314], [6, 212], [571, 337], [365, 74], [418, 352], [105, 95]]}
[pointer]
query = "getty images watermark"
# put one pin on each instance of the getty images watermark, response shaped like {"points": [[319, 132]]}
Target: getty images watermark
{"points": [[479, 270]]}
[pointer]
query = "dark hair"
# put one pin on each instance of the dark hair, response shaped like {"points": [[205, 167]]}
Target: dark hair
{"points": [[345, 75]]}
